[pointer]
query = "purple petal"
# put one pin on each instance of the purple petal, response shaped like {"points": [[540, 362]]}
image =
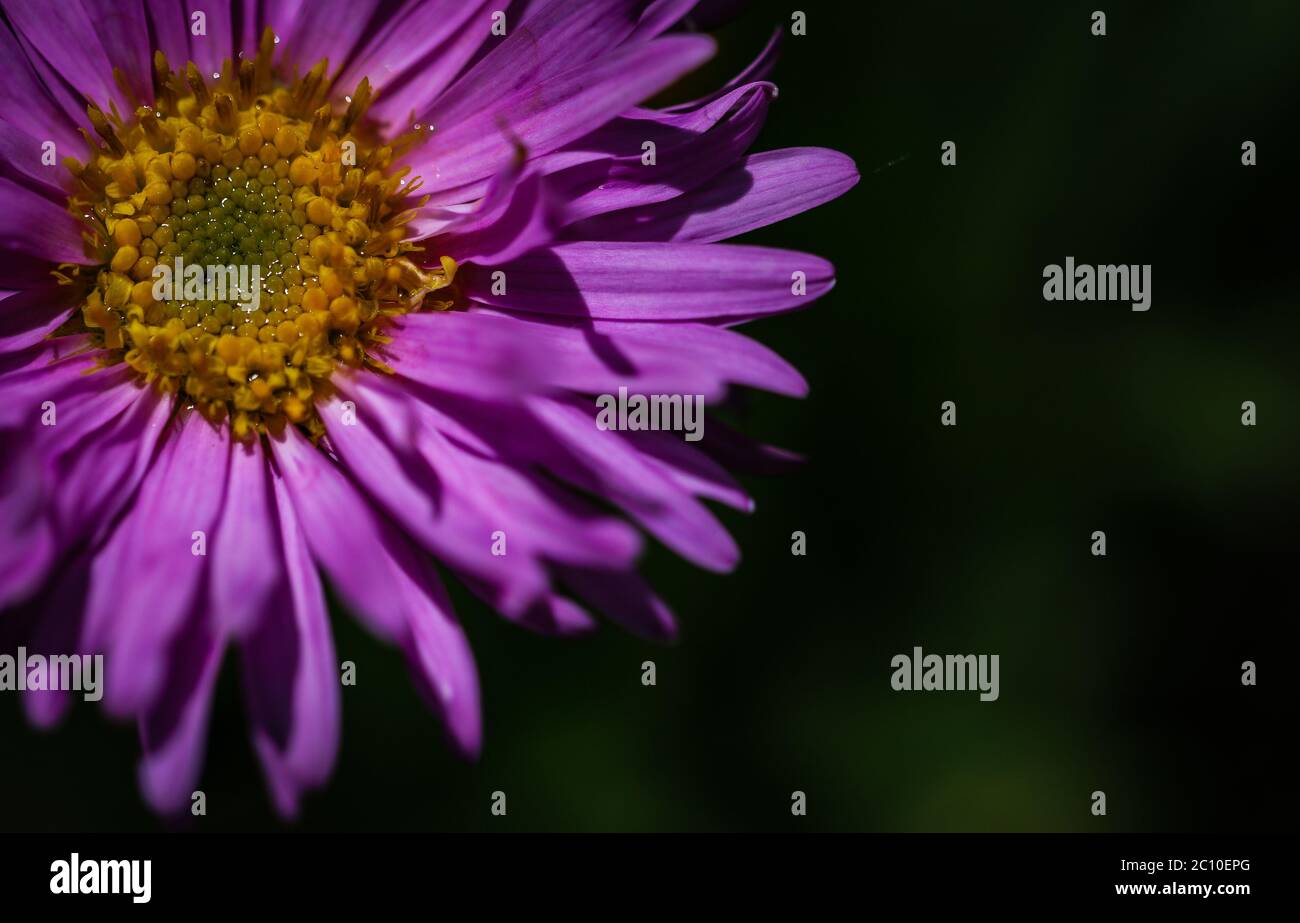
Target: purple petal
{"points": [[517, 436], [452, 525], [21, 153], [18, 369], [69, 41], [660, 16], [26, 104], [32, 225], [246, 572], [619, 473], [98, 475], [462, 357], [123, 32], [317, 34], [423, 82], [627, 599], [690, 149], [407, 43], [145, 581], [30, 316], [375, 569], [29, 487], [551, 37], [291, 677], [442, 493], [439, 653], [30, 544], [654, 281], [598, 357], [58, 631], [346, 535], [690, 468], [518, 214], [70, 101], [741, 453], [761, 190], [43, 372], [169, 28], [477, 126], [210, 50], [554, 615], [759, 69], [174, 733]]}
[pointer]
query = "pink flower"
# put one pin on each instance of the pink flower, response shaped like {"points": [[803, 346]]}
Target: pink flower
{"points": [[462, 236]]}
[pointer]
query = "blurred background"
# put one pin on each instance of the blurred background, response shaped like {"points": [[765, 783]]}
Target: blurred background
{"points": [[1119, 674]]}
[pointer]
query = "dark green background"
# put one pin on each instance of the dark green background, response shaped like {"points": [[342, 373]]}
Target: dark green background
{"points": [[1117, 673]]}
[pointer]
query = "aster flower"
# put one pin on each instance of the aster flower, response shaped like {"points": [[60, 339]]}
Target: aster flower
{"points": [[467, 226]]}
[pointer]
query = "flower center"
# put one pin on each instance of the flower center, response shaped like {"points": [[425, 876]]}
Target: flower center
{"points": [[251, 240]]}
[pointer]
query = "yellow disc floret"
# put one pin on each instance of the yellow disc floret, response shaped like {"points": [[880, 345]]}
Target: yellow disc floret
{"points": [[251, 240]]}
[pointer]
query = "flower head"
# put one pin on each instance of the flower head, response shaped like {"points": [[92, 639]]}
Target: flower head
{"points": [[328, 291]]}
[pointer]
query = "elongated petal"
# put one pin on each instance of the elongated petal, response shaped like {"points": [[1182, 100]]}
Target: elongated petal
{"points": [[210, 48], [37, 228], [291, 678], [246, 571], [406, 44], [169, 28], [689, 150], [68, 40], [380, 575], [345, 533], [316, 34], [147, 579], [659, 16], [30, 542], [759, 69], [651, 281], [404, 100], [123, 32], [627, 599], [442, 663], [478, 359], [454, 525], [519, 216], [666, 510], [472, 143], [760, 190], [174, 733], [26, 103], [461, 493], [58, 631], [43, 372], [97, 476], [598, 357], [23, 154], [553, 36], [690, 468], [30, 316]]}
